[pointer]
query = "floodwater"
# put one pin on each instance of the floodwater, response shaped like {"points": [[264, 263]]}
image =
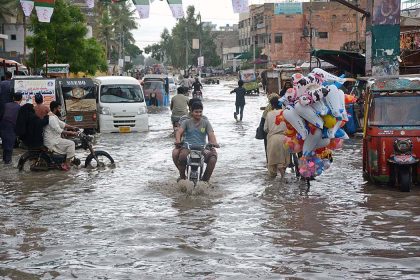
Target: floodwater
{"points": [[136, 222]]}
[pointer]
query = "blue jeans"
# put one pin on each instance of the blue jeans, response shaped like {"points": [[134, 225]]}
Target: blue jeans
{"points": [[240, 111]]}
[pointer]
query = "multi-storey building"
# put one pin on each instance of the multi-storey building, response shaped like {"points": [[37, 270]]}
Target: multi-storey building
{"points": [[286, 32]]}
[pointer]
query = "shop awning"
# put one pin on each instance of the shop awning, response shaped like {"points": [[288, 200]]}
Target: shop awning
{"points": [[352, 62]]}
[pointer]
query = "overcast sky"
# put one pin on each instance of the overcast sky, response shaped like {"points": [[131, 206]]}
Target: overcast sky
{"points": [[219, 12]]}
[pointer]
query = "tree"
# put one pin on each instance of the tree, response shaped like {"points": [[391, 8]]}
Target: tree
{"points": [[113, 27], [172, 46], [63, 41]]}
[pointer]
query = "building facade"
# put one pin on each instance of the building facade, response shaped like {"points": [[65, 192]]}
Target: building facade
{"points": [[227, 43], [286, 32]]}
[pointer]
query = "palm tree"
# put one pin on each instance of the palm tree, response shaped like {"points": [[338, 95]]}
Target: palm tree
{"points": [[113, 26]]}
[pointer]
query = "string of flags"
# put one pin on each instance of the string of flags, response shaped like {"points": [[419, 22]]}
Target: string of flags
{"points": [[143, 8], [45, 8], [240, 6]]}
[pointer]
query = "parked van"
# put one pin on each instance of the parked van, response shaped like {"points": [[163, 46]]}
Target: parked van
{"points": [[121, 105]]}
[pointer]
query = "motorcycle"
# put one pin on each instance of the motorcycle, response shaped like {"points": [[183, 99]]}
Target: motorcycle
{"points": [[43, 159], [198, 94], [402, 164], [195, 161]]}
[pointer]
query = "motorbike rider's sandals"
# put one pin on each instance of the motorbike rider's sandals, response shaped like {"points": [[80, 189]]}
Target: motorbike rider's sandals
{"points": [[65, 167]]}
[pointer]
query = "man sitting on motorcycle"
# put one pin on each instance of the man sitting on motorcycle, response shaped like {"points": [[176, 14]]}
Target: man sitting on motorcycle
{"points": [[196, 129], [179, 106], [52, 135], [197, 86]]}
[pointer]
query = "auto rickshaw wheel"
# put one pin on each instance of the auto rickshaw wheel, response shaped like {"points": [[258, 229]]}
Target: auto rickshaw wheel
{"points": [[404, 178]]}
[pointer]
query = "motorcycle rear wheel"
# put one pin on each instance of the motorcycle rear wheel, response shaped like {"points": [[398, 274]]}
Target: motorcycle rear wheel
{"points": [[104, 160], [33, 163]]}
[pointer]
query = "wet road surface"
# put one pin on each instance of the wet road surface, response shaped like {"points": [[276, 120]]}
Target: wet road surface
{"points": [[136, 222]]}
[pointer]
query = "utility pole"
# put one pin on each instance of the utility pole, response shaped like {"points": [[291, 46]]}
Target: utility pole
{"points": [[357, 28], [199, 46], [186, 50], [253, 42], [310, 35]]}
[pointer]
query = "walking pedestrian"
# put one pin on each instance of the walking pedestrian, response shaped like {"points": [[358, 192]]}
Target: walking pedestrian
{"points": [[278, 156], [240, 100], [8, 124]]}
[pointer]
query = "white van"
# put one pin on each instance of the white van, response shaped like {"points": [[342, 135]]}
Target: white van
{"points": [[121, 104]]}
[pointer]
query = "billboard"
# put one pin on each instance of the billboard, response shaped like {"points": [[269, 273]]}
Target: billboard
{"points": [[289, 8], [386, 12]]}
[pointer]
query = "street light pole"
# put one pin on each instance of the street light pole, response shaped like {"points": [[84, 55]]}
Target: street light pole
{"points": [[186, 50], [199, 47]]}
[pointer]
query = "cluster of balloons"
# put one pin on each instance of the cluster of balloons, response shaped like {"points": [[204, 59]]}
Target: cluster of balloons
{"points": [[315, 113]]}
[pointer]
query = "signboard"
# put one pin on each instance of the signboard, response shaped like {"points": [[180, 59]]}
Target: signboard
{"points": [[248, 76], [127, 58], [200, 61], [195, 44], [386, 12], [29, 88], [289, 8], [58, 70], [76, 82]]}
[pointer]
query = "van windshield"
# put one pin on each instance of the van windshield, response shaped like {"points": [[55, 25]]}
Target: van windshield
{"points": [[394, 111], [121, 94]]}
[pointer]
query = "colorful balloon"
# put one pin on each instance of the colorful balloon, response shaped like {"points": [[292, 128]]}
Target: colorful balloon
{"points": [[325, 76], [296, 121], [332, 100], [311, 141], [320, 107], [309, 114], [329, 121]]}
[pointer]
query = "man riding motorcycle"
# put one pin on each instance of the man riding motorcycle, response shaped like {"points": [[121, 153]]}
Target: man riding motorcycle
{"points": [[53, 132], [197, 86], [196, 129]]}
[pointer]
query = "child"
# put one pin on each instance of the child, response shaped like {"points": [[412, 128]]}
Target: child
{"points": [[240, 100]]}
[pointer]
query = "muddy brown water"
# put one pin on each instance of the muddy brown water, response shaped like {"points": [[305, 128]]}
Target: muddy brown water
{"points": [[136, 222]]}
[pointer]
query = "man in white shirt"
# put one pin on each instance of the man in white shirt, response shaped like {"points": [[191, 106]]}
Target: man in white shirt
{"points": [[52, 135]]}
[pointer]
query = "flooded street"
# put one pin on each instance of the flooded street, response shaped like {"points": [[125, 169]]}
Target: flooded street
{"points": [[136, 222]]}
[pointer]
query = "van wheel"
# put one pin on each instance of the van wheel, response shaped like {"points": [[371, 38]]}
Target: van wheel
{"points": [[404, 178]]}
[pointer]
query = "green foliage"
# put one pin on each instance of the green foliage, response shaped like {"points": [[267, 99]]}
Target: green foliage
{"points": [[63, 41], [172, 46]]}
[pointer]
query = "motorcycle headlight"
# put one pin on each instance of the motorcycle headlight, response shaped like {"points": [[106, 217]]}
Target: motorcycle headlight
{"points": [[403, 146], [142, 110], [105, 111]]}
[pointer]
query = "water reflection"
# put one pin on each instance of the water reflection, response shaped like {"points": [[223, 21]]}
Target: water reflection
{"points": [[136, 222]]}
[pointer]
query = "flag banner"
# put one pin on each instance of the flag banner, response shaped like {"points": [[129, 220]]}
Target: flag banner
{"points": [[27, 7], [142, 7], [240, 6], [90, 4], [176, 8], [44, 10]]}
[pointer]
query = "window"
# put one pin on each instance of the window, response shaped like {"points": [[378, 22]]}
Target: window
{"points": [[278, 38], [13, 37], [323, 35]]}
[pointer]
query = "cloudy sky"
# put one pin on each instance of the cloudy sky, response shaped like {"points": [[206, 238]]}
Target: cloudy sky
{"points": [[219, 12]]}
